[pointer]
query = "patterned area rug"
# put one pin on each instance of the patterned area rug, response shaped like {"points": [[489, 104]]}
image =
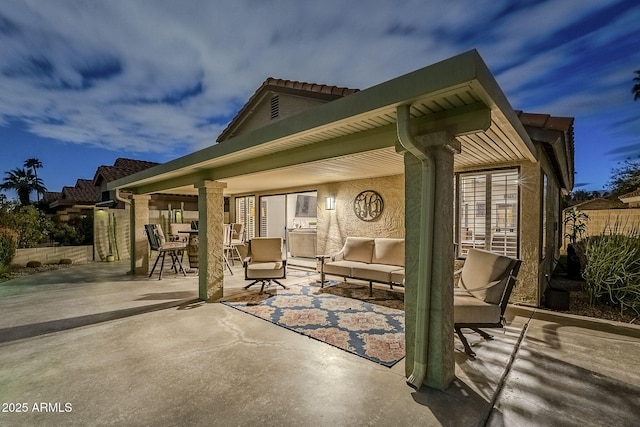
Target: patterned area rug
{"points": [[372, 331]]}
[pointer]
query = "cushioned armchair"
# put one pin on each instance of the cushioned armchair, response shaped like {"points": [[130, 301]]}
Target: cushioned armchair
{"points": [[265, 262], [482, 294]]}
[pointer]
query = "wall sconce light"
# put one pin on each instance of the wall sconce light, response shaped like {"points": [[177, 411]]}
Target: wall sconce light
{"points": [[331, 203]]}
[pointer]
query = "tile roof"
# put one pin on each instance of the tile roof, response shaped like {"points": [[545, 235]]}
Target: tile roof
{"points": [[87, 191], [51, 196], [634, 193], [311, 90], [83, 193], [122, 167]]}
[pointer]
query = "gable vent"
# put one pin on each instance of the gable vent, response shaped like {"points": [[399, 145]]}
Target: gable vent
{"points": [[275, 107]]}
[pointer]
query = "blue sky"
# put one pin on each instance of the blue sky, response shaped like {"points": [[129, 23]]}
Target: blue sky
{"points": [[85, 82]]}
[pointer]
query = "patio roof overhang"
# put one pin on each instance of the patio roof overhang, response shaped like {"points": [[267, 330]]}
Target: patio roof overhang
{"points": [[355, 137]]}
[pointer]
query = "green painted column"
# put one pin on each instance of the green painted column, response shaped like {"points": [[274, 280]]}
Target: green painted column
{"points": [[210, 252], [138, 238], [441, 366], [438, 328]]}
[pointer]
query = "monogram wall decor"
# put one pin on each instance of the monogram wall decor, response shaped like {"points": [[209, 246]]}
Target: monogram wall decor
{"points": [[368, 205]]}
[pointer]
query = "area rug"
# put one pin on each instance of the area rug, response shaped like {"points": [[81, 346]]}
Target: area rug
{"points": [[368, 330]]}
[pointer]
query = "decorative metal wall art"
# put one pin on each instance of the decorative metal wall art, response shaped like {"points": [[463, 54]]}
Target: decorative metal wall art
{"points": [[368, 205]]}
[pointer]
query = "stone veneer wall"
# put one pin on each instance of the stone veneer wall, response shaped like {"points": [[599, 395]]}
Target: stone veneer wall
{"points": [[336, 225]]}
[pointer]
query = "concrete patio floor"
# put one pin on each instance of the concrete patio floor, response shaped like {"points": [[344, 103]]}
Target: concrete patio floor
{"points": [[98, 347]]}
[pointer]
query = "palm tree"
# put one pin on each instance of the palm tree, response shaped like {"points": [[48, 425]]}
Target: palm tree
{"points": [[636, 86], [23, 181], [34, 164]]}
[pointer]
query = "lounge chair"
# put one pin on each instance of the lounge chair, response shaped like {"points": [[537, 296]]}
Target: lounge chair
{"points": [[482, 294], [266, 262]]}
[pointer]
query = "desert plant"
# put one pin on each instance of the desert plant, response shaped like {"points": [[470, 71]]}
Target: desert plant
{"points": [[612, 267], [8, 246], [34, 264], [576, 224]]}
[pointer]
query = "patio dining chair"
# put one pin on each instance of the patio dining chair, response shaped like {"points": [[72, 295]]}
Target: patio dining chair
{"points": [[266, 262], [237, 239], [483, 291], [227, 232], [158, 242]]}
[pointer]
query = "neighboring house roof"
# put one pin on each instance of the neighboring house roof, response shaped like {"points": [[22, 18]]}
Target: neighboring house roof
{"points": [[121, 167], [600, 204], [309, 90], [83, 193], [51, 196], [87, 191], [561, 151], [632, 198]]}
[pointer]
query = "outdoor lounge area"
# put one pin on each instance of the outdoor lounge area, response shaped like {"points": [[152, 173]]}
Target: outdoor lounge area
{"points": [[437, 158]]}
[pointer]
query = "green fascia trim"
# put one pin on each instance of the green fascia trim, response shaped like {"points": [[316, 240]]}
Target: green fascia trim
{"points": [[369, 140], [459, 121], [466, 69]]}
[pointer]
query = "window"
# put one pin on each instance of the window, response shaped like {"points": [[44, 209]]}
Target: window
{"points": [[275, 107], [487, 214], [246, 214]]}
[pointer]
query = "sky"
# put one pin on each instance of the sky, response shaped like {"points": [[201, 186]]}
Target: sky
{"points": [[85, 82]]}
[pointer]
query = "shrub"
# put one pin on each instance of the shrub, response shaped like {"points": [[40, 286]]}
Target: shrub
{"points": [[612, 268], [34, 264], [66, 261], [29, 223], [8, 246]]}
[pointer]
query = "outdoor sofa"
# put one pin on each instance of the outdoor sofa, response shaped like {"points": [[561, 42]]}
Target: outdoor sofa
{"points": [[379, 260]]}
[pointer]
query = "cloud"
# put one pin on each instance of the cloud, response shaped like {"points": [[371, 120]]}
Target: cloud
{"points": [[166, 77]]}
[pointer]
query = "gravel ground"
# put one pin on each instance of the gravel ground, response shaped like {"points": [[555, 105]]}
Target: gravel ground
{"points": [[579, 303], [19, 271]]}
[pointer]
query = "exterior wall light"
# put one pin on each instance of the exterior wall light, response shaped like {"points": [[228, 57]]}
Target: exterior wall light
{"points": [[331, 203]]}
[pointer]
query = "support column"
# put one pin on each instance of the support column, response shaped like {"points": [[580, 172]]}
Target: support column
{"points": [[138, 241], [441, 367], [210, 226], [436, 308]]}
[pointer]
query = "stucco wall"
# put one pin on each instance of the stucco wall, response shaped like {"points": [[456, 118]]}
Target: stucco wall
{"points": [[526, 289], [605, 219], [103, 219], [335, 226], [289, 106], [102, 223]]}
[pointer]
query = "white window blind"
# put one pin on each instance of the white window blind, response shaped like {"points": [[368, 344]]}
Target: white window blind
{"points": [[488, 212]]}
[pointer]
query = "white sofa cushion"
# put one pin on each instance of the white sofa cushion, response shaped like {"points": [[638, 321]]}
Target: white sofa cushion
{"points": [[358, 249], [340, 268], [388, 251], [472, 310], [397, 276], [375, 272], [265, 270]]}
